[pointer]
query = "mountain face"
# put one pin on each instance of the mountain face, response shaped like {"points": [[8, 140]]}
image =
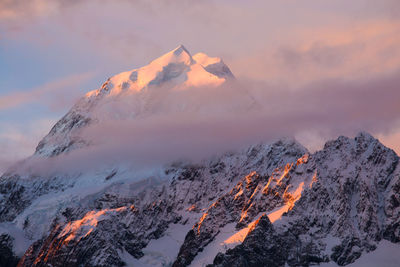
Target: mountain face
{"points": [[270, 204], [349, 206]]}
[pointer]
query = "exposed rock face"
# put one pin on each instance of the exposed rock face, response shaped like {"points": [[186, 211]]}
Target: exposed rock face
{"points": [[18, 193], [262, 247], [252, 195], [391, 224], [351, 200], [64, 135], [7, 257], [119, 224], [96, 239]]}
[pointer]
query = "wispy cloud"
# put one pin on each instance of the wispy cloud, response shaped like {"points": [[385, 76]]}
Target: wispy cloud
{"points": [[18, 140], [323, 111], [53, 93], [364, 50]]}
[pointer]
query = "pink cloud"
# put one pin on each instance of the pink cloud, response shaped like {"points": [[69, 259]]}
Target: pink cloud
{"points": [[53, 93], [19, 141], [365, 49], [327, 108], [391, 139]]}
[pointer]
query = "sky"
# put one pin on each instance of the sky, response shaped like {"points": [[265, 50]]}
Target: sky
{"points": [[334, 65]]}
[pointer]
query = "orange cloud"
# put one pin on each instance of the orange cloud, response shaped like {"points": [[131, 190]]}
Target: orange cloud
{"points": [[391, 140], [358, 51], [16, 9]]}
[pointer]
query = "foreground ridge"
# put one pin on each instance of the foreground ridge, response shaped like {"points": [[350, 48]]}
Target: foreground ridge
{"points": [[270, 203]]}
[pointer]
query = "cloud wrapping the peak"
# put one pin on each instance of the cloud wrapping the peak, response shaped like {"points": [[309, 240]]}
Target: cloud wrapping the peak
{"points": [[165, 134]]}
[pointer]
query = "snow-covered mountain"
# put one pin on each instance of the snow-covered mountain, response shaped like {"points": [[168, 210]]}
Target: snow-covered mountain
{"points": [[154, 89], [270, 204]]}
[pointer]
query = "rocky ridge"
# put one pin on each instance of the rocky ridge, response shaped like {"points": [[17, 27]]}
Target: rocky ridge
{"points": [[333, 205], [147, 216], [351, 205]]}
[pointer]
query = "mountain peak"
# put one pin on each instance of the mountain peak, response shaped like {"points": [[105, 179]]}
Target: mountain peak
{"points": [[180, 49], [176, 68], [365, 136], [178, 55]]}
